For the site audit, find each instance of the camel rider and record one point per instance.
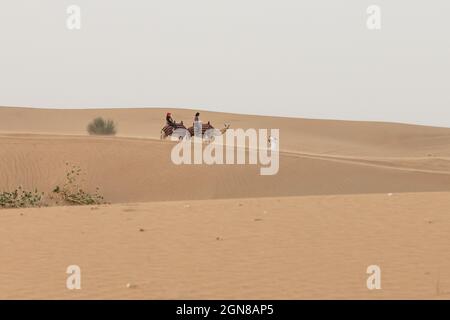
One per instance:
(170, 121)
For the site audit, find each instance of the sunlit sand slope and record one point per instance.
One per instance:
(273, 248)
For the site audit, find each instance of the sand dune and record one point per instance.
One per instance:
(225, 231)
(318, 156)
(271, 248)
(312, 136)
(141, 170)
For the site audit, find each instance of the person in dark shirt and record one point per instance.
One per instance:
(170, 121)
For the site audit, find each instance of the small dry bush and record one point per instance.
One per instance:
(20, 198)
(71, 191)
(100, 126)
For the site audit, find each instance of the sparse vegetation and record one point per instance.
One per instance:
(20, 198)
(69, 193)
(72, 193)
(100, 126)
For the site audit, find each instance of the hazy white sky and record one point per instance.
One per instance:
(313, 59)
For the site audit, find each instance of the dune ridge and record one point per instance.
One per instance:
(357, 138)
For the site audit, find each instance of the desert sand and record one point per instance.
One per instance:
(348, 195)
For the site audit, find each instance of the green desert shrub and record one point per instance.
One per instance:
(20, 198)
(72, 193)
(100, 126)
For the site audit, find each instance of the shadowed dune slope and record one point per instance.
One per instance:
(318, 156)
(141, 170)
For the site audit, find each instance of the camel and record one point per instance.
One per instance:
(209, 132)
(178, 132)
(217, 132)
